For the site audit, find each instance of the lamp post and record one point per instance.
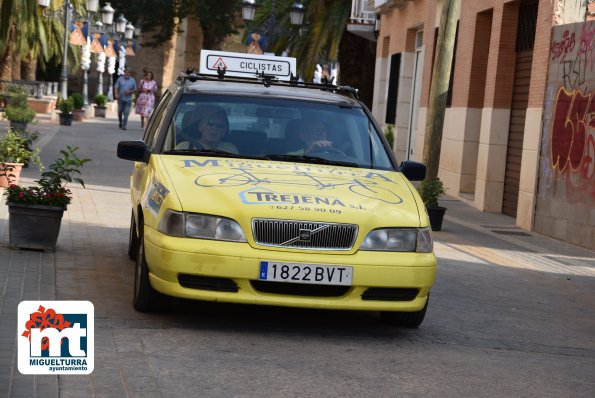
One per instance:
(296, 17)
(103, 26)
(64, 12)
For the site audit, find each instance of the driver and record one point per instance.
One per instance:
(212, 125)
(313, 134)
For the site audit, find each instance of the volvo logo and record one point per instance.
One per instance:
(305, 235)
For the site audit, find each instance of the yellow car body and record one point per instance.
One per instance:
(245, 190)
(262, 191)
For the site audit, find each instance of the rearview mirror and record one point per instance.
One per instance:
(137, 151)
(414, 171)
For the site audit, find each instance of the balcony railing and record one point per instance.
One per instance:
(362, 12)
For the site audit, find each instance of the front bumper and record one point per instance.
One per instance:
(168, 257)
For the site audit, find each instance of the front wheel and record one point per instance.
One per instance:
(132, 239)
(405, 319)
(146, 299)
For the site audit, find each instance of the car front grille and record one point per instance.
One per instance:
(207, 283)
(299, 289)
(390, 294)
(304, 234)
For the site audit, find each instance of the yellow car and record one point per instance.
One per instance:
(264, 191)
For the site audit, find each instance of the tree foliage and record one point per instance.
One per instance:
(26, 32)
(218, 19)
(324, 24)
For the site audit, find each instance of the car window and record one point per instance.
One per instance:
(271, 127)
(156, 119)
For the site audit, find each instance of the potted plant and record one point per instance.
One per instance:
(15, 150)
(390, 135)
(35, 212)
(17, 111)
(65, 106)
(78, 113)
(100, 105)
(430, 191)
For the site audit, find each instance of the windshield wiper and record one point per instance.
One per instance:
(311, 159)
(212, 152)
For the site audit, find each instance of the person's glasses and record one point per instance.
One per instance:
(212, 123)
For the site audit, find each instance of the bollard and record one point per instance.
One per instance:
(40, 90)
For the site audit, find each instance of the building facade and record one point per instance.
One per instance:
(508, 146)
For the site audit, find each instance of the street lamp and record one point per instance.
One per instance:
(67, 12)
(296, 17)
(116, 30)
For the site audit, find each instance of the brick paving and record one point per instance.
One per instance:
(93, 241)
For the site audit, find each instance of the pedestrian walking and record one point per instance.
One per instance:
(124, 88)
(146, 98)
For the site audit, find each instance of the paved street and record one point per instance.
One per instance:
(512, 313)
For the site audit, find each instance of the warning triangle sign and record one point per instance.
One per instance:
(219, 64)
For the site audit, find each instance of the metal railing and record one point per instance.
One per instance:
(362, 13)
(34, 88)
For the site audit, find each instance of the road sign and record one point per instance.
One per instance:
(246, 65)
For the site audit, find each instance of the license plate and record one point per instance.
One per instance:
(305, 273)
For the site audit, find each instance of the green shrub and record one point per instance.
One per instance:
(101, 100)
(77, 101)
(17, 110)
(389, 134)
(430, 191)
(17, 114)
(15, 147)
(50, 189)
(65, 105)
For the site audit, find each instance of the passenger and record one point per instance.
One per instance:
(211, 126)
(313, 134)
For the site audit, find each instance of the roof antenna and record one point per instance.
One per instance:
(293, 80)
(220, 72)
(326, 81)
(266, 79)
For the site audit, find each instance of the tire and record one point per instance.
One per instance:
(405, 319)
(146, 299)
(132, 239)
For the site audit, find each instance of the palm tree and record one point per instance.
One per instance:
(324, 39)
(37, 37)
(324, 24)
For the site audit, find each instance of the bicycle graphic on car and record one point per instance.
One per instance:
(361, 186)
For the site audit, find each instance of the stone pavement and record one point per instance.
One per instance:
(93, 241)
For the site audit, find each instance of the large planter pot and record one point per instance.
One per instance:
(100, 111)
(78, 115)
(436, 215)
(21, 126)
(10, 173)
(66, 119)
(34, 226)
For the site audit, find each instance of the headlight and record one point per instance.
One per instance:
(399, 240)
(201, 226)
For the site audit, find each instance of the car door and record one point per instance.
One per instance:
(140, 174)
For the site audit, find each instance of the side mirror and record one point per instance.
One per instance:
(137, 151)
(414, 171)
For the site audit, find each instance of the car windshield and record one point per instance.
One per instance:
(275, 129)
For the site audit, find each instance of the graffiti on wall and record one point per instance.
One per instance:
(568, 166)
(572, 148)
(561, 48)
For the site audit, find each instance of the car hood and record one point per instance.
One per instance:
(244, 189)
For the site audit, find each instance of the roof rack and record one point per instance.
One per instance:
(267, 81)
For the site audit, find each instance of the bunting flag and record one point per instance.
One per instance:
(129, 49)
(101, 62)
(77, 37)
(96, 46)
(110, 51)
(86, 56)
